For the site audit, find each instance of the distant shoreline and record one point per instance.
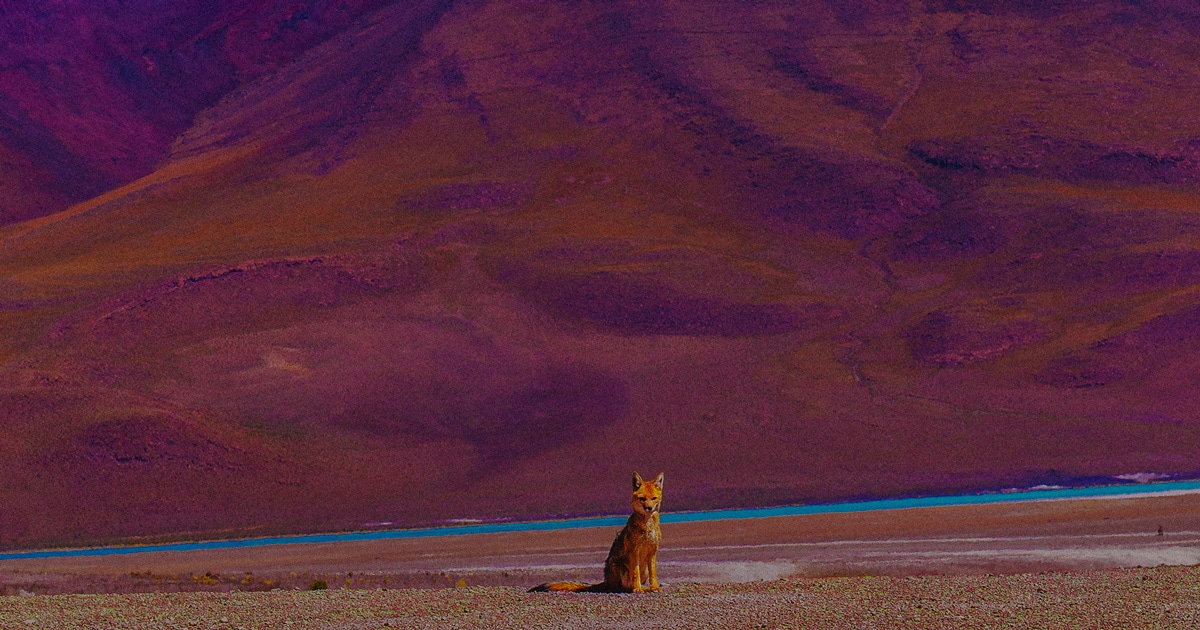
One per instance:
(1115, 491)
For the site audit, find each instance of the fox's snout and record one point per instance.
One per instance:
(648, 506)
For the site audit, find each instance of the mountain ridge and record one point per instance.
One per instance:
(452, 250)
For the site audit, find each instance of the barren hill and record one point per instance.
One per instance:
(344, 263)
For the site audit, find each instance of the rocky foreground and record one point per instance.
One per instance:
(1163, 597)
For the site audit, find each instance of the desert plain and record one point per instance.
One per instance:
(1037, 564)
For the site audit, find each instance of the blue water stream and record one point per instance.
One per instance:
(607, 521)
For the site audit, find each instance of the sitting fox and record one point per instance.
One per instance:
(632, 561)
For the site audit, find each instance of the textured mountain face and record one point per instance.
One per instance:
(350, 263)
(92, 93)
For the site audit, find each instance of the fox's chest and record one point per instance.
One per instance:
(651, 537)
(640, 537)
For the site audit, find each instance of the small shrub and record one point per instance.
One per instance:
(208, 579)
(318, 585)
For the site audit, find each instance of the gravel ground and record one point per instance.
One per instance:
(1163, 597)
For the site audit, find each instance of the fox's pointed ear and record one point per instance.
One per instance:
(637, 480)
(658, 481)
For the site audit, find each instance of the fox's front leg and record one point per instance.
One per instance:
(654, 572)
(637, 578)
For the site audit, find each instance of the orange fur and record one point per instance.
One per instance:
(632, 564)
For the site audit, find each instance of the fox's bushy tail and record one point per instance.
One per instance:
(569, 587)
